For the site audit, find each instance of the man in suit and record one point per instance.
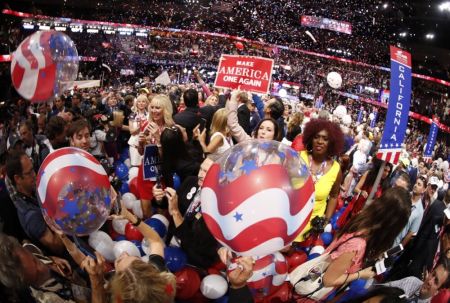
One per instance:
(420, 254)
(191, 116)
(243, 112)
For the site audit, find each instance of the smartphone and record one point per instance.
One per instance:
(202, 124)
(393, 251)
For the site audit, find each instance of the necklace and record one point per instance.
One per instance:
(319, 173)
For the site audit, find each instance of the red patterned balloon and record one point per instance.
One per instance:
(73, 190)
(44, 65)
(257, 197)
(269, 273)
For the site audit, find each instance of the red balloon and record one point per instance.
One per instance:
(188, 283)
(295, 259)
(132, 233)
(112, 233)
(282, 294)
(318, 242)
(133, 186)
(239, 45)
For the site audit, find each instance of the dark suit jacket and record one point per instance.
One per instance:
(189, 119)
(421, 252)
(196, 239)
(243, 114)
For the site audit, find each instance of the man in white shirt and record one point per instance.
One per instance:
(416, 213)
(422, 291)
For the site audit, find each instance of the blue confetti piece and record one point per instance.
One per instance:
(80, 229)
(248, 166)
(107, 200)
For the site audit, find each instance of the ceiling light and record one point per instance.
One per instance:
(403, 34)
(444, 6)
(385, 5)
(429, 36)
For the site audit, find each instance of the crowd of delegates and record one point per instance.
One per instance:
(189, 133)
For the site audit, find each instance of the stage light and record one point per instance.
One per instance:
(385, 5)
(429, 36)
(444, 6)
(404, 34)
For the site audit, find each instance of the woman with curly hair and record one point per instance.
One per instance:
(324, 142)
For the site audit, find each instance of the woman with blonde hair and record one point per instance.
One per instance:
(212, 100)
(220, 134)
(160, 117)
(136, 124)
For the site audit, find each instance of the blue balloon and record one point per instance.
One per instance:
(358, 285)
(223, 299)
(124, 154)
(175, 258)
(121, 171)
(176, 181)
(327, 238)
(335, 225)
(157, 226)
(120, 238)
(139, 245)
(124, 188)
(312, 256)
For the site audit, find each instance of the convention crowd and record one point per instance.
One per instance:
(192, 125)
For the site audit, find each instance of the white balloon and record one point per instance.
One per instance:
(371, 116)
(145, 246)
(126, 246)
(128, 199)
(340, 111)
(347, 120)
(408, 131)
(163, 219)
(137, 209)
(328, 228)
(214, 286)
(106, 249)
(97, 237)
(119, 225)
(102, 243)
(317, 250)
(127, 162)
(334, 80)
(132, 173)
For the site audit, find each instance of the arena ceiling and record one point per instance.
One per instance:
(419, 25)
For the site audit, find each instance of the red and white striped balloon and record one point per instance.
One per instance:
(269, 273)
(262, 209)
(44, 65)
(73, 190)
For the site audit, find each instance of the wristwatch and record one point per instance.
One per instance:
(137, 222)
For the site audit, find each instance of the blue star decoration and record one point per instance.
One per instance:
(265, 145)
(248, 166)
(238, 216)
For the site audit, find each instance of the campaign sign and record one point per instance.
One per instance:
(398, 108)
(248, 73)
(431, 142)
(151, 162)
